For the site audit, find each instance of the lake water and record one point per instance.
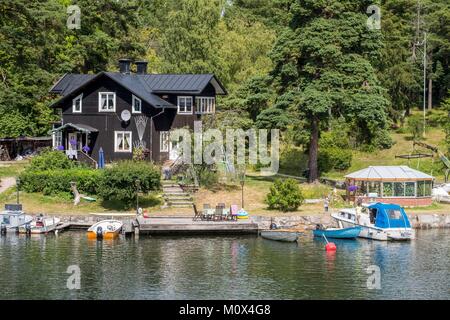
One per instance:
(233, 267)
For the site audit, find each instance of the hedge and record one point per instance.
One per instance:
(53, 182)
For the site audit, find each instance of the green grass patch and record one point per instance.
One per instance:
(11, 170)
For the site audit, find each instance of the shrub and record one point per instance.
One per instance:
(334, 158)
(50, 159)
(208, 178)
(54, 182)
(119, 181)
(285, 195)
(415, 127)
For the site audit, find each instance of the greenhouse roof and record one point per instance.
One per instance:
(389, 173)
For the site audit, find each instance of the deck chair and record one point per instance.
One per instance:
(218, 214)
(197, 215)
(233, 211)
(206, 212)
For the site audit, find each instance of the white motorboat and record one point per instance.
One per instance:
(379, 221)
(40, 225)
(106, 229)
(13, 217)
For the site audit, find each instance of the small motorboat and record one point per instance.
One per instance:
(280, 235)
(379, 221)
(106, 229)
(337, 233)
(40, 225)
(13, 217)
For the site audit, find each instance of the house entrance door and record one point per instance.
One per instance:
(173, 153)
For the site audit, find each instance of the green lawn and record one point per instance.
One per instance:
(11, 169)
(34, 203)
(403, 145)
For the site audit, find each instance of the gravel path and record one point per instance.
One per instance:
(7, 183)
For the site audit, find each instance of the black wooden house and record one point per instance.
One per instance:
(120, 111)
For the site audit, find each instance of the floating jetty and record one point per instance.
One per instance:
(185, 225)
(172, 225)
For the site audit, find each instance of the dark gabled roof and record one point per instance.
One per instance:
(131, 82)
(80, 127)
(142, 86)
(182, 83)
(70, 82)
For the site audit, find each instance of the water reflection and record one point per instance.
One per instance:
(34, 267)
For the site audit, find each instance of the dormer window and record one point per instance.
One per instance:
(136, 105)
(205, 105)
(106, 102)
(77, 104)
(185, 105)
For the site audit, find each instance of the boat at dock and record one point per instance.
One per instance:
(106, 229)
(13, 217)
(378, 221)
(40, 225)
(280, 235)
(338, 233)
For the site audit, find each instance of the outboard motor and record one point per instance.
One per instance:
(99, 232)
(28, 229)
(3, 229)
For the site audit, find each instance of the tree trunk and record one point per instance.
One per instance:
(430, 94)
(313, 151)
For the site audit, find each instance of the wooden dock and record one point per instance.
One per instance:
(185, 225)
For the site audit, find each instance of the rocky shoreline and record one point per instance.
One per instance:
(418, 221)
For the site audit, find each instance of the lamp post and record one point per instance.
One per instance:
(242, 181)
(17, 188)
(137, 183)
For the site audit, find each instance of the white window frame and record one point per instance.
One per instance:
(185, 99)
(133, 110)
(115, 141)
(205, 105)
(80, 97)
(161, 144)
(100, 102)
(57, 139)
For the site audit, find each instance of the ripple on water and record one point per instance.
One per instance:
(232, 267)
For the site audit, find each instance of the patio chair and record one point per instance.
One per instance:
(233, 211)
(206, 212)
(218, 214)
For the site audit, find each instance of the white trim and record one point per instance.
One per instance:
(81, 104)
(205, 103)
(192, 104)
(130, 142)
(161, 149)
(100, 102)
(133, 99)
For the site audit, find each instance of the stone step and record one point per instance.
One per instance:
(177, 197)
(172, 189)
(177, 205)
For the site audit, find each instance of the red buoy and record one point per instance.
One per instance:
(330, 246)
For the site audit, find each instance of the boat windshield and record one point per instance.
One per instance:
(394, 214)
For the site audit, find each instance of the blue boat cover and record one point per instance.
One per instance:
(390, 216)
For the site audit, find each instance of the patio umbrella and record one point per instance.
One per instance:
(101, 159)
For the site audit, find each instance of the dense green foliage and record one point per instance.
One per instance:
(50, 160)
(57, 181)
(295, 65)
(118, 182)
(285, 195)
